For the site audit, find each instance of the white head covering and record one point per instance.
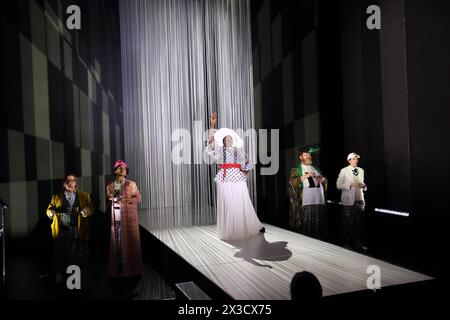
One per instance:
(352, 155)
(223, 132)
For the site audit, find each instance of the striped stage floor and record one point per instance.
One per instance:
(261, 268)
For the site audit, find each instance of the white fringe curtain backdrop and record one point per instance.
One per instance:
(181, 61)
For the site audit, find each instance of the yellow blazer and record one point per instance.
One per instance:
(85, 204)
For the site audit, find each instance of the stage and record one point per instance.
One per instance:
(261, 268)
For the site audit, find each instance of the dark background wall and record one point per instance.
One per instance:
(428, 76)
(394, 85)
(60, 104)
(380, 93)
(297, 78)
(285, 69)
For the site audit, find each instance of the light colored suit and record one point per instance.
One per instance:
(344, 181)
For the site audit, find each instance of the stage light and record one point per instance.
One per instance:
(397, 213)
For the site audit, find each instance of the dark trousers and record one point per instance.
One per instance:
(69, 250)
(314, 221)
(352, 223)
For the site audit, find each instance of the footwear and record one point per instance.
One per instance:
(262, 230)
(347, 246)
(360, 247)
(43, 276)
(59, 278)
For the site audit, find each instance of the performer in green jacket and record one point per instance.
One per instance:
(307, 187)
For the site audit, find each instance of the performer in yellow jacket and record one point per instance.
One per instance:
(69, 211)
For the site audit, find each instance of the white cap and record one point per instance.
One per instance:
(352, 155)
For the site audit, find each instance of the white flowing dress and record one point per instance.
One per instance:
(236, 216)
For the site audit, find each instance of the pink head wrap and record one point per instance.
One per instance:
(120, 163)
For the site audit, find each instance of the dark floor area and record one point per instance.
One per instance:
(26, 282)
(29, 275)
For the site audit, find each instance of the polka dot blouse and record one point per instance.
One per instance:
(230, 155)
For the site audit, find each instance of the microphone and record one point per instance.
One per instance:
(3, 204)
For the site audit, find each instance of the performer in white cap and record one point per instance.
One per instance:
(236, 216)
(351, 182)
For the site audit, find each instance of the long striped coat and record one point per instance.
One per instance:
(129, 224)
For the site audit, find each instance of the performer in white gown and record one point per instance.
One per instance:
(236, 216)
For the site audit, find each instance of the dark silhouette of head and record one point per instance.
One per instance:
(305, 286)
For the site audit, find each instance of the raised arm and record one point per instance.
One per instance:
(211, 149)
(212, 127)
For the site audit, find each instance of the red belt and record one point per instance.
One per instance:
(226, 166)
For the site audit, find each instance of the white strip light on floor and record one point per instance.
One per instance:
(397, 213)
(333, 202)
(182, 60)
